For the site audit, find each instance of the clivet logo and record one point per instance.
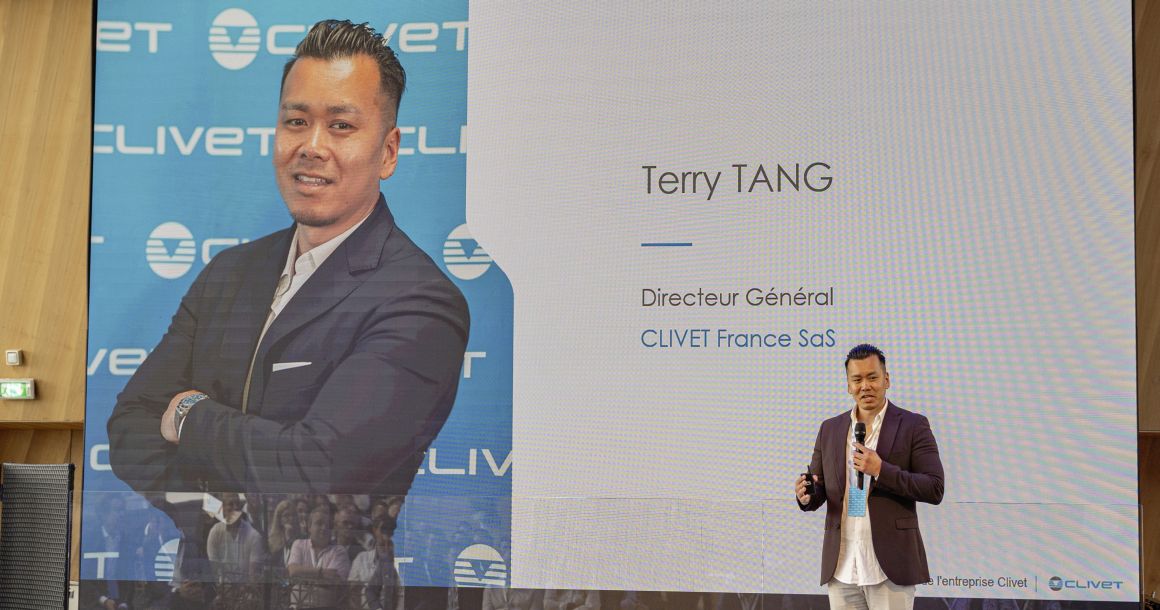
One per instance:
(171, 249)
(480, 565)
(463, 256)
(234, 38)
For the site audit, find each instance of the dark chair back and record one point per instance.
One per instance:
(35, 531)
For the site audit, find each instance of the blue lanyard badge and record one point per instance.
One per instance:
(856, 506)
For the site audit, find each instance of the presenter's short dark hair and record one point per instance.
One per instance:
(334, 39)
(864, 350)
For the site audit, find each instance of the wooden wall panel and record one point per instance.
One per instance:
(46, 94)
(1147, 24)
(1147, 81)
(45, 128)
(1150, 515)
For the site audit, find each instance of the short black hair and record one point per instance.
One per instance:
(333, 39)
(864, 350)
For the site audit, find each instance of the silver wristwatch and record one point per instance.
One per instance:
(182, 409)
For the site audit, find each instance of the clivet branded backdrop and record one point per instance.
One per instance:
(186, 102)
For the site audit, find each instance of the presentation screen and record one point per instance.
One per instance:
(567, 326)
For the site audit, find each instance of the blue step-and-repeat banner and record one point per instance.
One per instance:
(186, 101)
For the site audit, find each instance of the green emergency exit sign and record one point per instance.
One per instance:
(17, 389)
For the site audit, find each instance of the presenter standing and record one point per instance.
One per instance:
(872, 552)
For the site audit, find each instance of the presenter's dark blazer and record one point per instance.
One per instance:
(911, 472)
(350, 384)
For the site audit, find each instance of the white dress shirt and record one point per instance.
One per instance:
(857, 563)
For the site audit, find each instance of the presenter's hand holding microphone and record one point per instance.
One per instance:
(866, 460)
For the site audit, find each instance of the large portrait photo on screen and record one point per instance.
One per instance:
(299, 358)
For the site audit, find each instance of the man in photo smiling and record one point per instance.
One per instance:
(323, 358)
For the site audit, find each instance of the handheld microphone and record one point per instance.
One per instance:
(860, 436)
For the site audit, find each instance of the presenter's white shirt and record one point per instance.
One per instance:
(857, 563)
(299, 269)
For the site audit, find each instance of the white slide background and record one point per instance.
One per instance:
(979, 228)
